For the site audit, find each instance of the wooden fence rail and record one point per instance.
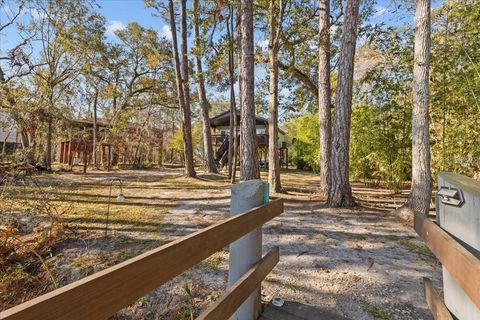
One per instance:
(460, 263)
(101, 295)
(434, 302)
(236, 294)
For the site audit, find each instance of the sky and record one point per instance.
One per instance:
(119, 13)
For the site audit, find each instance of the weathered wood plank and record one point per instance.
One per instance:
(104, 293)
(236, 294)
(435, 303)
(460, 263)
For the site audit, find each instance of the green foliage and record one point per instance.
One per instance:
(379, 312)
(412, 246)
(455, 88)
(304, 140)
(379, 147)
(176, 143)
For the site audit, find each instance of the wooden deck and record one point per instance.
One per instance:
(297, 311)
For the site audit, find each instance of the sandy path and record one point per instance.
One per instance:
(359, 263)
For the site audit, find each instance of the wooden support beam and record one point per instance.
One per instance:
(101, 295)
(460, 263)
(236, 294)
(434, 301)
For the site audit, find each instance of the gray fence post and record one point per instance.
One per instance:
(246, 251)
(457, 204)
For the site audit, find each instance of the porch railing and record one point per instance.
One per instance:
(217, 139)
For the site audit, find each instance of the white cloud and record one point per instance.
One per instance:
(380, 11)
(166, 32)
(263, 44)
(114, 25)
(313, 45)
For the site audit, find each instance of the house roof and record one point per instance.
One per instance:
(223, 119)
(89, 122)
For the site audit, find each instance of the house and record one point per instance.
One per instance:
(220, 129)
(133, 147)
(9, 140)
(77, 145)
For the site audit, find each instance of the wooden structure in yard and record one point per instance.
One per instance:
(101, 295)
(220, 128)
(77, 146)
(461, 264)
(459, 259)
(9, 135)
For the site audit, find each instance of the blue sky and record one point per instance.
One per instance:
(119, 13)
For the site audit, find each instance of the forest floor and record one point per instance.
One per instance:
(362, 263)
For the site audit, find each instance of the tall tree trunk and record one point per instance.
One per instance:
(324, 99)
(2, 75)
(182, 100)
(340, 193)
(274, 28)
(249, 166)
(48, 147)
(235, 42)
(85, 150)
(233, 107)
(421, 190)
(230, 137)
(47, 158)
(95, 130)
(187, 116)
(204, 103)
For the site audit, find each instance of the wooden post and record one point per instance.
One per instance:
(102, 147)
(286, 157)
(62, 151)
(85, 157)
(434, 302)
(246, 251)
(70, 151)
(160, 153)
(109, 157)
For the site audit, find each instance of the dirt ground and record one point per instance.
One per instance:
(361, 263)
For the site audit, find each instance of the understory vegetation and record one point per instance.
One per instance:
(380, 148)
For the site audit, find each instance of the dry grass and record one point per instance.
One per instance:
(30, 267)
